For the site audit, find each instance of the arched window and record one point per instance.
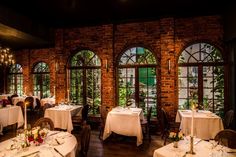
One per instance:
(85, 79)
(137, 79)
(41, 75)
(201, 77)
(15, 79)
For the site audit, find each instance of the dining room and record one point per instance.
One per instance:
(124, 78)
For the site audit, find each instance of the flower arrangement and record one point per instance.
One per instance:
(176, 136)
(36, 135)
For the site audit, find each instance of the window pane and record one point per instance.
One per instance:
(212, 77)
(137, 84)
(183, 93)
(85, 80)
(15, 79)
(41, 80)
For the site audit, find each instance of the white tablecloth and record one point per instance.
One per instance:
(15, 100)
(11, 115)
(5, 96)
(125, 122)
(47, 100)
(201, 148)
(61, 116)
(46, 149)
(206, 124)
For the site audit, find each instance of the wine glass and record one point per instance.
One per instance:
(213, 145)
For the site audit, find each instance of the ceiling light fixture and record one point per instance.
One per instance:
(6, 57)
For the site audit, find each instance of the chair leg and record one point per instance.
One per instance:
(149, 134)
(100, 133)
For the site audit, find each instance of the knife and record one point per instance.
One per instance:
(30, 154)
(58, 152)
(197, 142)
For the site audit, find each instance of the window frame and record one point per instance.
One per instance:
(200, 78)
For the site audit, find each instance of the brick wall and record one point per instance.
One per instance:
(166, 38)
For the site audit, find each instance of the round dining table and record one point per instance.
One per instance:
(56, 144)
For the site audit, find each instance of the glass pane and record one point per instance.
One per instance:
(93, 89)
(207, 82)
(183, 93)
(207, 93)
(183, 104)
(183, 82)
(200, 52)
(85, 57)
(207, 71)
(147, 88)
(182, 71)
(138, 55)
(76, 86)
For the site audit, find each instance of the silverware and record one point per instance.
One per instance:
(30, 154)
(58, 152)
(195, 143)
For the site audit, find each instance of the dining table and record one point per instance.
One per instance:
(61, 115)
(55, 144)
(124, 121)
(10, 115)
(5, 96)
(205, 126)
(50, 101)
(15, 100)
(201, 148)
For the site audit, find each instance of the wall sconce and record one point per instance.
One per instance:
(168, 61)
(56, 66)
(106, 65)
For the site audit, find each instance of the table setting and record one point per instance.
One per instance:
(39, 142)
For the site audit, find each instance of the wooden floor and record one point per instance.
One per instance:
(114, 146)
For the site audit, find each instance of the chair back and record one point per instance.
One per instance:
(38, 104)
(21, 104)
(229, 119)
(104, 111)
(227, 138)
(85, 111)
(164, 120)
(46, 105)
(44, 122)
(30, 102)
(85, 140)
(149, 114)
(14, 95)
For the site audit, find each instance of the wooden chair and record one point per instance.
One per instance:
(145, 123)
(103, 111)
(85, 140)
(30, 103)
(166, 126)
(46, 105)
(38, 109)
(10, 99)
(44, 122)
(226, 138)
(79, 119)
(21, 104)
(228, 120)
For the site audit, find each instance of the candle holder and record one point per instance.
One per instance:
(191, 146)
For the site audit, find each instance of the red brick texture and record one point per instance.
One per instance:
(166, 38)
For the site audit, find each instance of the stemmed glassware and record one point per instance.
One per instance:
(212, 147)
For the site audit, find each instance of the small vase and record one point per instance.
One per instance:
(175, 144)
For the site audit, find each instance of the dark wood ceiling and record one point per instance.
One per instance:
(48, 14)
(64, 13)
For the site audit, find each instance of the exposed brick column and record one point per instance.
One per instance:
(168, 79)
